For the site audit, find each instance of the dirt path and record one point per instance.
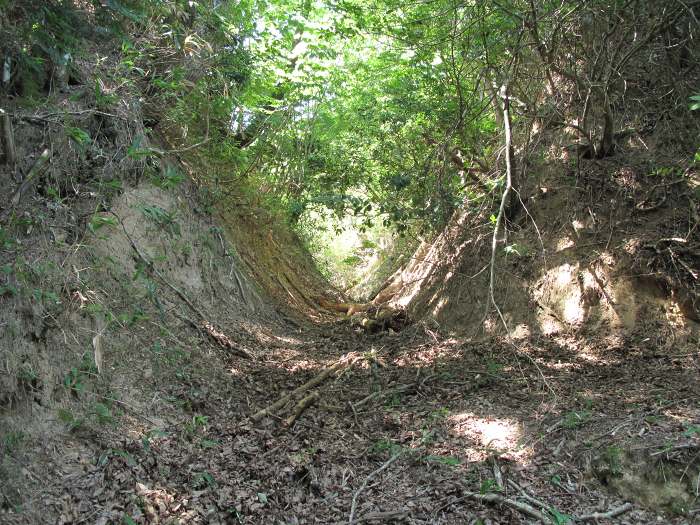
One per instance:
(417, 429)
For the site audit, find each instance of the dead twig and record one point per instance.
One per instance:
(606, 515)
(524, 508)
(211, 331)
(526, 496)
(385, 465)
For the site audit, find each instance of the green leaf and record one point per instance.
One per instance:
(135, 151)
(98, 221)
(104, 415)
(65, 415)
(488, 485)
(79, 136)
(691, 430)
(445, 460)
(695, 105)
(559, 517)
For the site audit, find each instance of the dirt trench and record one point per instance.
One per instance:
(414, 426)
(142, 333)
(410, 426)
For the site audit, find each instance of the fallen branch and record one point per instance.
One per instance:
(369, 478)
(527, 496)
(223, 340)
(300, 407)
(606, 515)
(320, 378)
(517, 505)
(380, 394)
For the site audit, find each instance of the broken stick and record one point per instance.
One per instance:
(320, 378)
(606, 515)
(300, 407)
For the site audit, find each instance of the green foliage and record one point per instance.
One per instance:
(691, 430)
(444, 460)
(136, 151)
(558, 517)
(167, 355)
(612, 456)
(169, 178)
(384, 445)
(164, 219)
(72, 421)
(102, 413)
(110, 453)
(151, 435)
(196, 424)
(76, 377)
(98, 413)
(99, 221)
(12, 440)
(45, 296)
(489, 485)
(79, 136)
(695, 102)
(576, 419)
(202, 480)
(133, 317)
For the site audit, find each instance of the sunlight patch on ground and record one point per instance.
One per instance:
(157, 501)
(489, 433)
(522, 331)
(289, 340)
(304, 364)
(564, 243)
